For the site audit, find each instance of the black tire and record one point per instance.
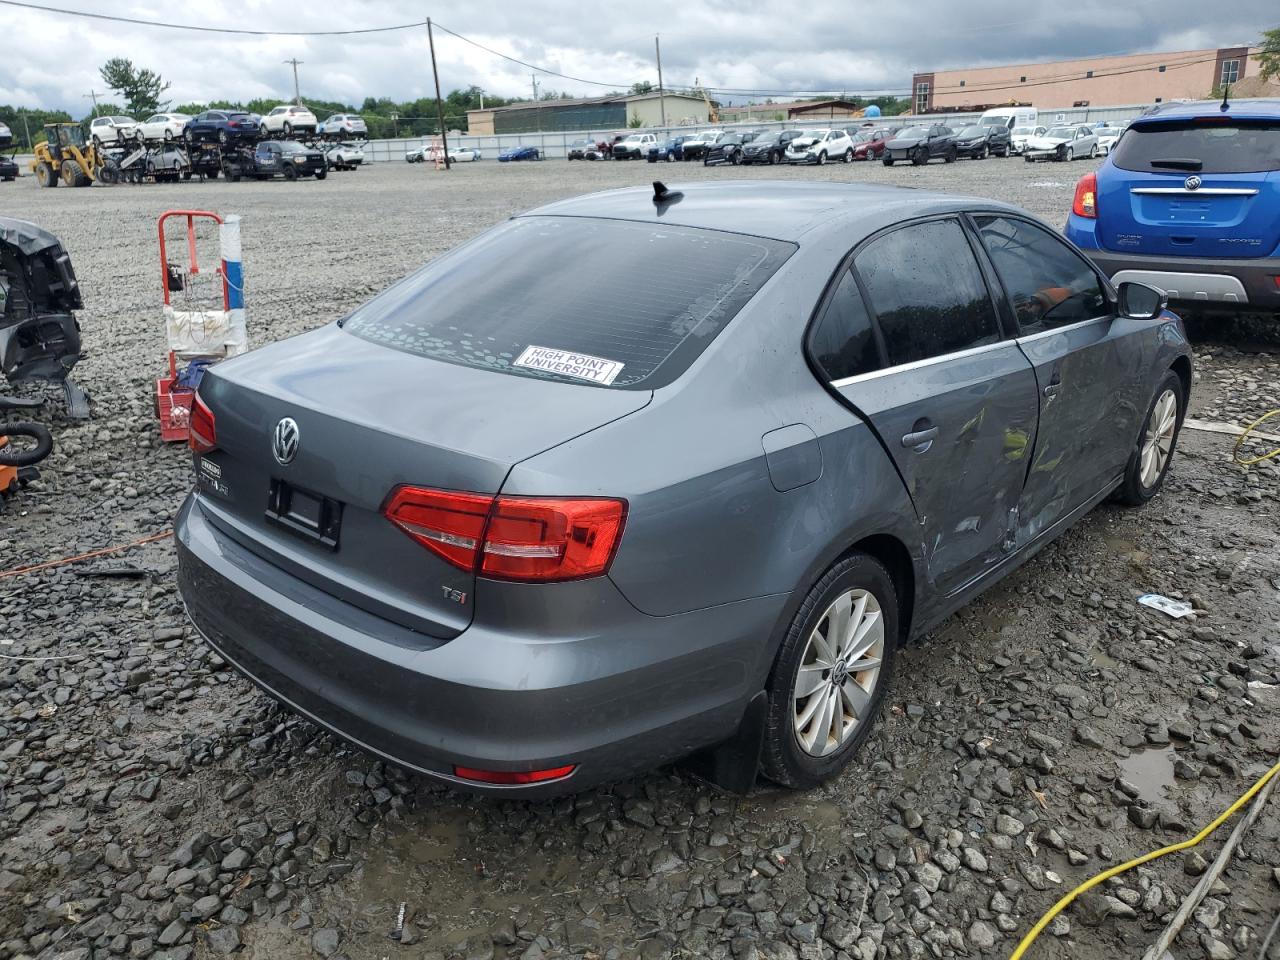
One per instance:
(887, 160)
(263, 132)
(213, 173)
(848, 155)
(1132, 490)
(97, 142)
(920, 157)
(73, 174)
(321, 174)
(782, 757)
(11, 456)
(1068, 155)
(774, 158)
(287, 129)
(735, 159)
(223, 138)
(46, 176)
(822, 158)
(290, 173)
(168, 136)
(950, 156)
(983, 153)
(188, 136)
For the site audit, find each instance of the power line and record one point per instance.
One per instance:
(188, 26)
(525, 63)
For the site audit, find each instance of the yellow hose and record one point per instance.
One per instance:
(1092, 882)
(1235, 452)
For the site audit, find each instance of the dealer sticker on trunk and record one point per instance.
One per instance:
(582, 366)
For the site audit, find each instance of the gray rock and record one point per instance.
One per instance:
(222, 941)
(325, 941)
(981, 936)
(974, 860)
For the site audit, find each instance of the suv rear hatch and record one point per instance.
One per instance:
(533, 334)
(1193, 187)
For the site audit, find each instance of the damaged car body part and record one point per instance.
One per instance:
(527, 550)
(39, 334)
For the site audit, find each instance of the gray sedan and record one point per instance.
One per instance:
(637, 475)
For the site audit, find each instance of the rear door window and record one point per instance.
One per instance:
(1048, 283)
(646, 297)
(1201, 145)
(927, 292)
(843, 342)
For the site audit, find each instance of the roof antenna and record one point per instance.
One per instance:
(661, 195)
(1225, 106)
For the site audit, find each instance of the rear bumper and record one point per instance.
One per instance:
(615, 696)
(1241, 285)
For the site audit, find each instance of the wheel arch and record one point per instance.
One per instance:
(1182, 367)
(896, 558)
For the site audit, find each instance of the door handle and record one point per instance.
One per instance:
(1051, 390)
(920, 440)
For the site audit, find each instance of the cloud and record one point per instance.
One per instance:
(746, 44)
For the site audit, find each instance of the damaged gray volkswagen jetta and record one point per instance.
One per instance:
(638, 475)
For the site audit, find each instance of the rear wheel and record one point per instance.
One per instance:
(223, 138)
(831, 673)
(45, 175)
(288, 129)
(1149, 462)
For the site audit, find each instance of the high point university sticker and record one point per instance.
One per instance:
(569, 364)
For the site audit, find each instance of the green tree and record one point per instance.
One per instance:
(644, 86)
(141, 88)
(1269, 58)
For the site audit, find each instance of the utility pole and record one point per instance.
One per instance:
(537, 104)
(662, 97)
(92, 95)
(297, 97)
(444, 143)
(26, 129)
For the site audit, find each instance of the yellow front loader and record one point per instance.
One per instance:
(67, 157)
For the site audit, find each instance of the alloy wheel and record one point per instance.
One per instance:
(838, 673)
(1157, 442)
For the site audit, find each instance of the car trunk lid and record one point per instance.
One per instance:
(370, 419)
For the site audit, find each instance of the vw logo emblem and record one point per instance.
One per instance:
(284, 442)
(1192, 183)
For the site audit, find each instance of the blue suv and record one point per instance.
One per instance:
(1188, 200)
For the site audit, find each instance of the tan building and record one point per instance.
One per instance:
(1097, 82)
(592, 113)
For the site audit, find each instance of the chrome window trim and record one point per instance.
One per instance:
(1032, 337)
(1199, 192)
(918, 364)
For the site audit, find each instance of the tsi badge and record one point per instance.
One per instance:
(284, 442)
(457, 596)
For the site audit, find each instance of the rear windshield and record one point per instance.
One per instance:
(1208, 145)
(609, 302)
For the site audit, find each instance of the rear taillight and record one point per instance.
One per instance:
(1085, 203)
(537, 539)
(202, 433)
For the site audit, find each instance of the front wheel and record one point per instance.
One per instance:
(1093, 152)
(887, 160)
(822, 158)
(288, 129)
(1149, 461)
(950, 156)
(46, 176)
(1068, 155)
(920, 157)
(983, 153)
(831, 673)
(291, 173)
(321, 174)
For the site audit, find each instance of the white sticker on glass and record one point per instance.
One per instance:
(581, 366)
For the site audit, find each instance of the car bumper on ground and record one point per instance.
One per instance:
(1235, 285)
(1042, 153)
(623, 693)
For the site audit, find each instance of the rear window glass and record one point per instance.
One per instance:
(647, 297)
(1208, 145)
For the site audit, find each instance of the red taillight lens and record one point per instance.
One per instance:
(1085, 203)
(446, 522)
(202, 433)
(509, 777)
(538, 539)
(534, 538)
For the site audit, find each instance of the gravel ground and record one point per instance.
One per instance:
(152, 804)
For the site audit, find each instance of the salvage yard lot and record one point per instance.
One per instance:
(153, 804)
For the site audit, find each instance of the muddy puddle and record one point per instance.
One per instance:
(1150, 771)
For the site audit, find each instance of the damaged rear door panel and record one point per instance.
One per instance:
(39, 334)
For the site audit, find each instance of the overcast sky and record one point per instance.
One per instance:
(747, 44)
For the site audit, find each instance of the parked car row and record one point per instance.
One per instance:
(226, 126)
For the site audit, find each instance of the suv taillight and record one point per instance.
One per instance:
(1085, 203)
(538, 539)
(202, 433)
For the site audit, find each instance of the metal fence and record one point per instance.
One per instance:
(554, 144)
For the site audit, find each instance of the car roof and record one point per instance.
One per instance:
(768, 208)
(1263, 109)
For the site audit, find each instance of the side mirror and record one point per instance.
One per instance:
(1138, 301)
